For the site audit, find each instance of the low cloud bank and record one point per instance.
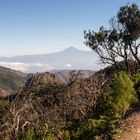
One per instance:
(42, 67)
(27, 67)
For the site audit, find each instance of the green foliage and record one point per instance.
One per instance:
(110, 43)
(121, 97)
(103, 128)
(136, 79)
(67, 135)
(38, 133)
(28, 135)
(123, 93)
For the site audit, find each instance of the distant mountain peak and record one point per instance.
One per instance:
(70, 58)
(71, 49)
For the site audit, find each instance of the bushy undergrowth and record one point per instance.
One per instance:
(123, 95)
(112, 107)
(102, 128)
(38, 133)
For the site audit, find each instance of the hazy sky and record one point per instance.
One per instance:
(43, 26)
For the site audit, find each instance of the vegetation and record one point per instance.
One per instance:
(47, 109)
(11, 81)
(121, 40)
(4, 105)
(100, 124)
(113, 105)
(123, 94)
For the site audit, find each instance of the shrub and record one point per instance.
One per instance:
(37, 133)
(136, 80)
(123, 93)
(103, 128)
(27, 135)
(120, 97)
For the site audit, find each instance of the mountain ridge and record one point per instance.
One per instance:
(65, 50)
(70, 58)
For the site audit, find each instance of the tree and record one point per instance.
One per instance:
(121, 41)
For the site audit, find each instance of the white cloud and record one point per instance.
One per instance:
(27, 67)
(68, 65)
(15, 65)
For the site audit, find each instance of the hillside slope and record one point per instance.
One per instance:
(10, 81)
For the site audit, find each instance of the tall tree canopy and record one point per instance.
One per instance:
(121, 41)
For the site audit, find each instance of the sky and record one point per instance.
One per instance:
(45, 26)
